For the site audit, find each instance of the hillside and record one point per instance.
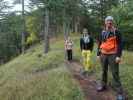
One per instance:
(35, 76)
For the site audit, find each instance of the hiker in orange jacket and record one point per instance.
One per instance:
(109, 53)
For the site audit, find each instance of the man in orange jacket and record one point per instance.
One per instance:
(109, 53)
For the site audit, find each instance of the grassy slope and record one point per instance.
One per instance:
(34, 76)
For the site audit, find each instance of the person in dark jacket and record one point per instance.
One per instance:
(86, 46)
(109, 53)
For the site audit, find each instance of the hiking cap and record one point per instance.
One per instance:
(109, 18)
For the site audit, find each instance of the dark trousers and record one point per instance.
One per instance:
(109, 60)
(69, 55)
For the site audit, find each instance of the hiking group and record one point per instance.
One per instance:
(109, 54)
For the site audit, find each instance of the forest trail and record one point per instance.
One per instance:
(89, 84)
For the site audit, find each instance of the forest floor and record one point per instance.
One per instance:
(89, 84)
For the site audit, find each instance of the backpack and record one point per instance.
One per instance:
(110, 44)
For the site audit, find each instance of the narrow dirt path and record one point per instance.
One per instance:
(88, 84)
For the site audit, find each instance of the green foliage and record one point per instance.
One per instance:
(66, 16)
(101, 7)
(10, 37)
(33, 28)
(31, 39)
(123, 15)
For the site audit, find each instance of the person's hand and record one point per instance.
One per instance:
(117, 59)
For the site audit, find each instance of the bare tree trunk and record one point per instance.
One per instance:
(76, 25)
(23, 33)
(46, 34)
(65, 30)
(65, 24)
(68, 28)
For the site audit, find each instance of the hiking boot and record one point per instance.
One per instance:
(120, 97)
(101, 88)
(83, 73)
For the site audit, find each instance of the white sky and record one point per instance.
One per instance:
(16, 7)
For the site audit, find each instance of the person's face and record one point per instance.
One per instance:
(109, 23)
(85, 31)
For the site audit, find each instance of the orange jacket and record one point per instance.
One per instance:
(109, 46)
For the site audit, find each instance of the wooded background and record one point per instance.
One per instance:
(52, 18)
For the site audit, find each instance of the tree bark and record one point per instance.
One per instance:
(64, 30)
(65, 24)
(46, 34)
(76, 25)
(23, 31)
